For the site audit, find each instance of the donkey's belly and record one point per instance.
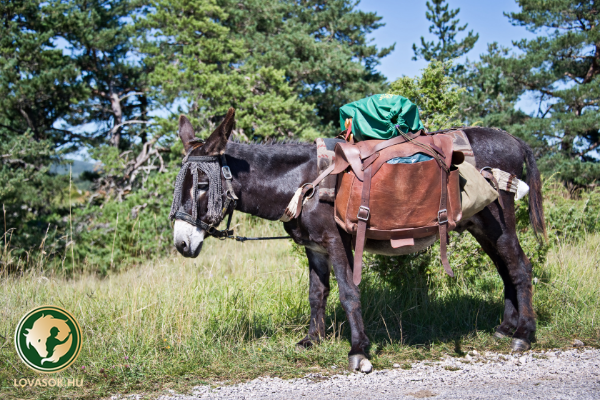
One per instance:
(384, 247)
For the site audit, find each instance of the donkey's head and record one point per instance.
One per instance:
(198, 198)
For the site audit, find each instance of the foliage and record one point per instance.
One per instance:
(39, 85)
(489, 98)
(560, 69)
(32, 199)
(321, 46)
(445, 28)
(63, 64)
(210, 74)
(113, 234)
(100, 42)
(435, 93)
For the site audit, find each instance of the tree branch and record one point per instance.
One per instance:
(133, 121)
(12, 129)
(591, 148)
(131, 94)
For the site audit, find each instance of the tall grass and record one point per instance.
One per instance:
(236, 311)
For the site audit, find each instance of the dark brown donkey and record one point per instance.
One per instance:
(264, 179)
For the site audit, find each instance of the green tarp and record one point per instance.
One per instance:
(375, 117)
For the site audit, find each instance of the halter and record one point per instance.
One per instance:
(217, 209)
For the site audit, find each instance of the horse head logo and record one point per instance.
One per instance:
(50, 337)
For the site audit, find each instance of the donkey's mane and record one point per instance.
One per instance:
(272, 142)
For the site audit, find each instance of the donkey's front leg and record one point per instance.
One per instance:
(341, 257)
(318, 264)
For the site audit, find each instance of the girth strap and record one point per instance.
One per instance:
(443, 223)
(364, 213)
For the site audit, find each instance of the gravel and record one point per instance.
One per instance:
(555, 374)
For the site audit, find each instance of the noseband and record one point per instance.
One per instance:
(217, 208)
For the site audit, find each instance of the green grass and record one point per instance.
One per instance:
(235, 313)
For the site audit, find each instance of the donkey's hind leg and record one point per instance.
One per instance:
(495, 230)
(318, 264)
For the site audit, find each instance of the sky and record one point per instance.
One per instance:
(405, 23)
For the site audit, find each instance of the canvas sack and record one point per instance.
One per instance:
(475, 191)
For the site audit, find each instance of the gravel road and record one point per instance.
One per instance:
(557, 374)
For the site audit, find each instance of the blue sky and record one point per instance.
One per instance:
(406, 23)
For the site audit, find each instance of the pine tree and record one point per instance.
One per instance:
(39, 87)
(560, 68)
(100, 39)
(38, 83)
(198, 59)
(490, 97)
(321, 46)
(445, 28)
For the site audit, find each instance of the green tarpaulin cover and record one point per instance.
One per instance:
(375, 117)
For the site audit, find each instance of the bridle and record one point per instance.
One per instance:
(193, 164)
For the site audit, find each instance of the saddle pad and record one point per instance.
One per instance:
(325, 157)
(461, 143)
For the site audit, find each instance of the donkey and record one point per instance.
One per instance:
(264, 178)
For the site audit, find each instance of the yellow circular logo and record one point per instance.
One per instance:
(48, 339)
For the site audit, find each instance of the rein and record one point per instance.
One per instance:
(206, 164)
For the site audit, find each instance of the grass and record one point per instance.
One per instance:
(236, 312)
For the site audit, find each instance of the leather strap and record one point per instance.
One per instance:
(443, 223)
(363, 217)
(312, 186)
(488, 175)
(390, 142)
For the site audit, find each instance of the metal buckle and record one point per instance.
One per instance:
(311, 191)
(226, 172)
(368, 211)
(439, 215)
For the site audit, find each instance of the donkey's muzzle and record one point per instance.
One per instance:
(187, 250)
(188, 239)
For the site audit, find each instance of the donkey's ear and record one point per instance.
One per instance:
(217, 141)
(186, 132)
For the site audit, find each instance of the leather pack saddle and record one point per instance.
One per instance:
(396, 202)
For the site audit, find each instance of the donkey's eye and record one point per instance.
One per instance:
(202, 185)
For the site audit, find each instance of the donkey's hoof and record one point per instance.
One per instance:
(366, 366)
(519, 345)
(358, 362)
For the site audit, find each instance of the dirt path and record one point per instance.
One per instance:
(573, 374)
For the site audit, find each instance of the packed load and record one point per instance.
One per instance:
(396, 182)
(381, 117)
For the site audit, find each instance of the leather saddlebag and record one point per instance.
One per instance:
(397, 202)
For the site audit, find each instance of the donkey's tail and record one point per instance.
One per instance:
(533, 179)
